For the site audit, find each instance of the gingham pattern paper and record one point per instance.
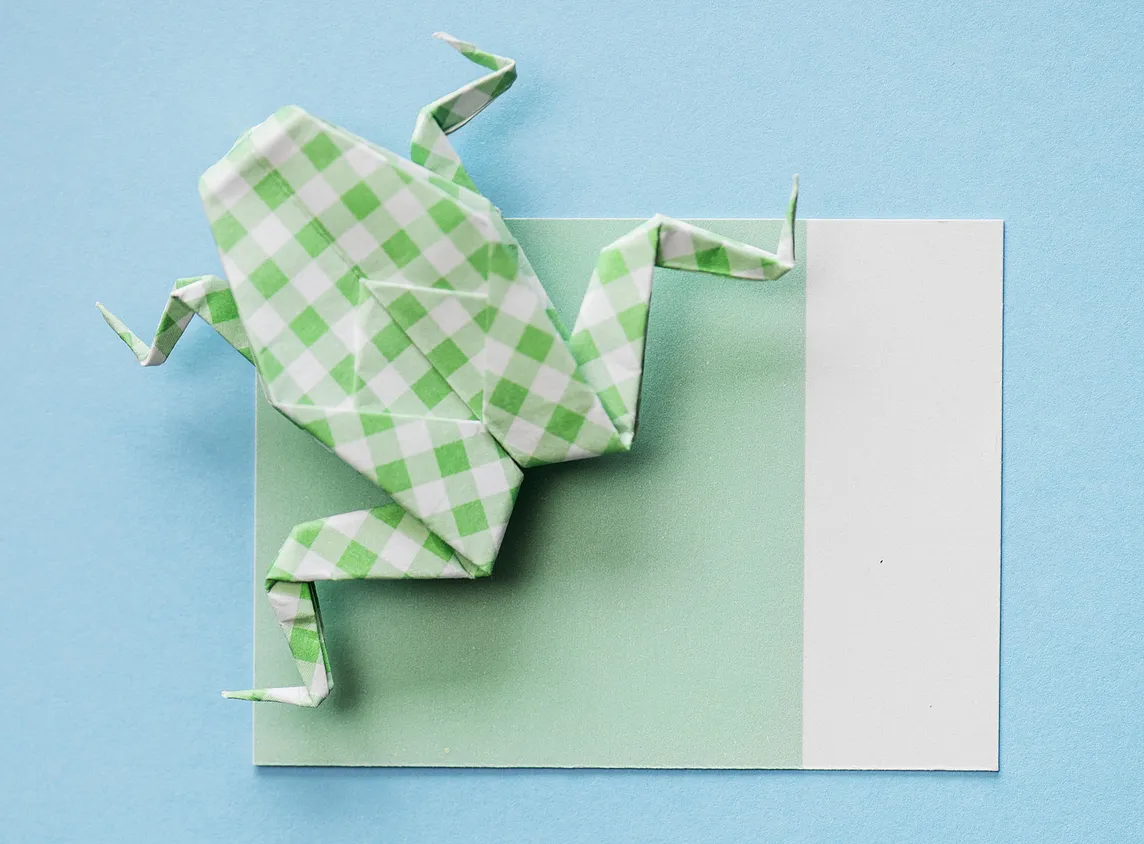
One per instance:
(447, 472)
(343, 547)
(391, 314)
(206, 295)
(608, 340)
(430, 147)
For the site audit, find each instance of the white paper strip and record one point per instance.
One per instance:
(903, 494)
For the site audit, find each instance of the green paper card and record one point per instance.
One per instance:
(645, 610)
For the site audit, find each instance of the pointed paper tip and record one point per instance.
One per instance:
(456, 43)
(108, 317)
(111, 319)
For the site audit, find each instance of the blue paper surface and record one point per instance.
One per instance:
(119, 481)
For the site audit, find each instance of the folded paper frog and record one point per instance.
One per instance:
(390, 313)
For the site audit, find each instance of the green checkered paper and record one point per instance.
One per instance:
(390, 313)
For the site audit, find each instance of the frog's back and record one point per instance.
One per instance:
(303, 211)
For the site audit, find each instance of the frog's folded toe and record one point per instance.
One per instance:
(296, 695)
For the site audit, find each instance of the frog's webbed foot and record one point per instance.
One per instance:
(430, 145)
(380, 543)
(608, 340)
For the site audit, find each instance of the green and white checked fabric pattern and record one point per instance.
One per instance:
(391, 314)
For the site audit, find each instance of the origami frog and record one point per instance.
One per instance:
(391, 314)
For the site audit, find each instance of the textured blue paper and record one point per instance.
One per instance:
(117, 480)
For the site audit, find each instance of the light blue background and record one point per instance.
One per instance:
(127, 495)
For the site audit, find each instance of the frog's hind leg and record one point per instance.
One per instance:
(430, 145)
(206, 295)
(608, 339)
(384, 542)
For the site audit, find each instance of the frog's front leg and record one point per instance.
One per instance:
(206, 295)
(430, 145)
(608, 339)
(381, 543)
